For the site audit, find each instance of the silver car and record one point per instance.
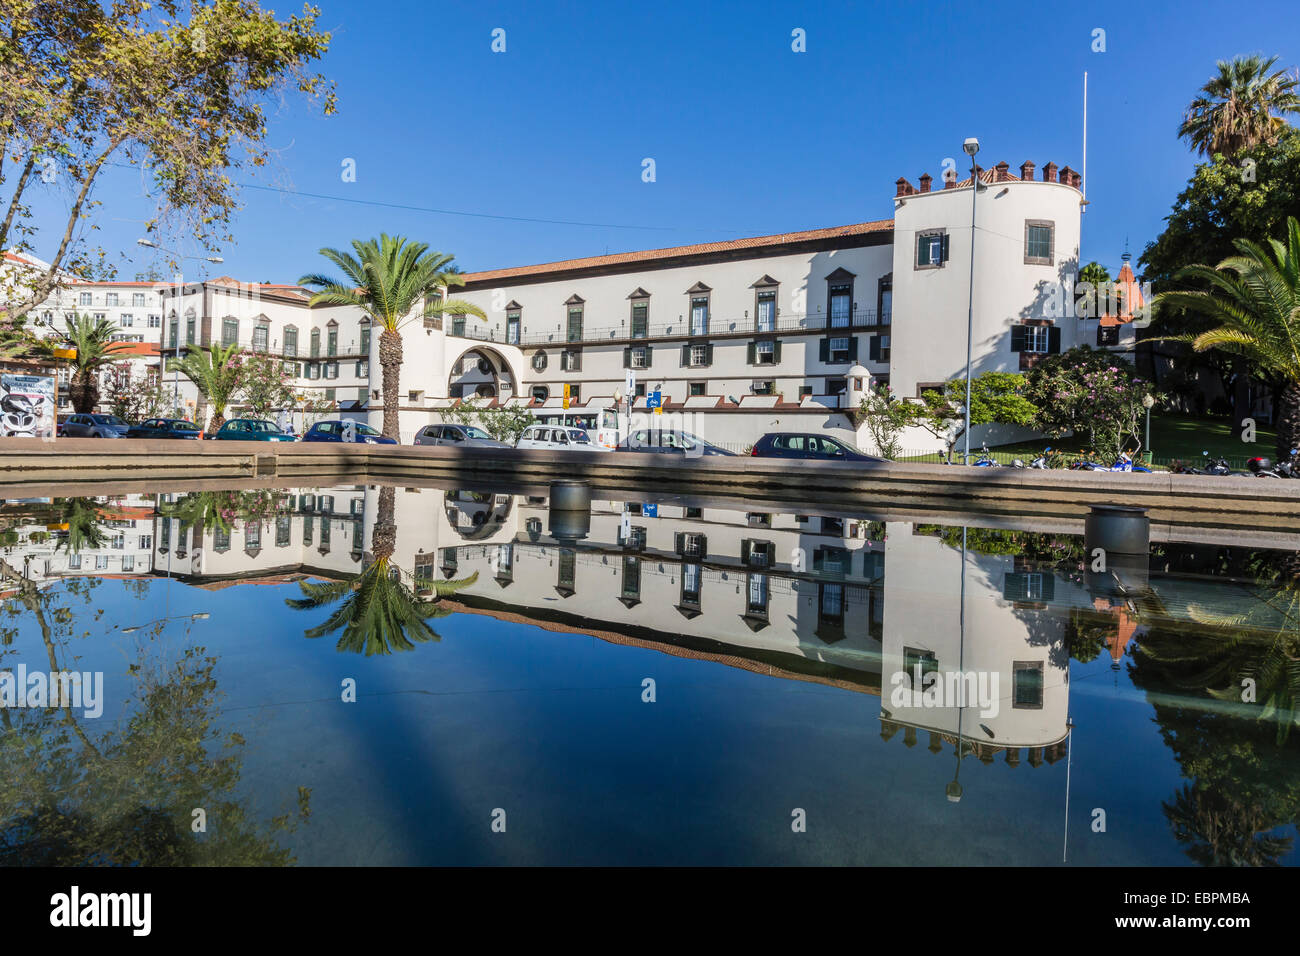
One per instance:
(93, 426)
(457, 436)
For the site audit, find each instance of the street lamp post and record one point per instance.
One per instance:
(1148, 402)
(176, 339)
(971, 147)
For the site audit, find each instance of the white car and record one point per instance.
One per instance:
(558, 438)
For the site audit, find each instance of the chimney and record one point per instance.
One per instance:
(1067, 176)
(1049, 173)
(904, 187)
(950, 179)
(1027, 171)
(1002, 168)
(925, 181)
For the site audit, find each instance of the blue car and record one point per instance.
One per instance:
(336, 430)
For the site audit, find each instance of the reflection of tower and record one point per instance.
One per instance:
(973, 648)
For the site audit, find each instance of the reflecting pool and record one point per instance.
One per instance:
(383, 675)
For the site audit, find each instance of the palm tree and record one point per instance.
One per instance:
(216, 372)
(1237, 108)
(96, 350)
(1256, 298)
(378, 612)
(388, 279)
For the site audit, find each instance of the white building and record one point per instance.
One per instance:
(737, 338)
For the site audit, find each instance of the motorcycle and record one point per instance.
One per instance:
(986, 460)
(1125, 462)
(1262, 467)
(1038, 462)
(19, 414)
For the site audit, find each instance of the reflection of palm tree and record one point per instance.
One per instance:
(1220, 651)
(378, 611)
(1222, 831)
(82, 516)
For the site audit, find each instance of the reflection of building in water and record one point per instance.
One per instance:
(100, 537)
(1009, 647)
(248, 535)
(805, 586)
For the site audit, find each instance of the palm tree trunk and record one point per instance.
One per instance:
(84, 392)
(390, 360)
(383, 537)
(1288, 419)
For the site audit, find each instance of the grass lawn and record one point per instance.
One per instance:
(1172, 436)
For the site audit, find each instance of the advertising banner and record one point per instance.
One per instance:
(26, 406)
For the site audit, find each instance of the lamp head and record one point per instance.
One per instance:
(971, 146)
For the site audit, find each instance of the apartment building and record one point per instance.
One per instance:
(326, 349)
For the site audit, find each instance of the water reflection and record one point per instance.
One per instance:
(384, 608)
(969, 640)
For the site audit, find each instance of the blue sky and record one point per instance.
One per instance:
(748, 137)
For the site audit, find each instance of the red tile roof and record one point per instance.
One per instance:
(676, 252)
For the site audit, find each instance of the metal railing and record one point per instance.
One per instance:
(681, 328)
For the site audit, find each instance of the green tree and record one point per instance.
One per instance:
(135, 398)
(885, 417)
(1239, 106)
(393, 281)
(1090, 392)
(216, 372)
(96, 351)
(1249, 197)
(178, 89)
(1253, 300)
(378, 612)
(996, 398)
(266, 386)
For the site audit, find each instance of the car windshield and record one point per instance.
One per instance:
(478, 433)
(107, 420)
(185, 426)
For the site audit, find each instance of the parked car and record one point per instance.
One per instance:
(669, 442)
(163, 428)
(457, 436)
(362, 434)
(557, 438)
(93, 426)
(252, 429)
(808, 447)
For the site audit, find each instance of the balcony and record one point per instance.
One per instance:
(680, 329)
